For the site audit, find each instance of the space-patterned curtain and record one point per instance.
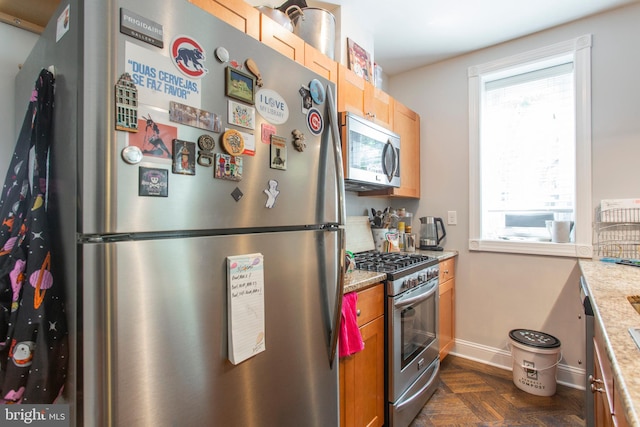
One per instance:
(33, 326)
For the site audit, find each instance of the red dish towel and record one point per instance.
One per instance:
(350, 337)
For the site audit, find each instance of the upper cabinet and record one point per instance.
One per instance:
(237, 13)
(282, 40)
(320, 63)
(360, 97)
(406, 123)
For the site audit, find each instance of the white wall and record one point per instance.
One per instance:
(498, 292)
(15, 48)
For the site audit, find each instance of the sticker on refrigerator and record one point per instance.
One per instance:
(153, 182)
(314, 121)
(141, 28)
(272, 106)
(245, 306)
(184, 157)
(307, 102)
(157, 80)
(154, 137)
(188, 56)
(62, 24)
(266, 130)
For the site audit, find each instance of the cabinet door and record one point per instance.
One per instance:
(446, 308)
(320, 63)
(602, 409)
(350, 92)
(234, 12)
(378, 106)
(282, 40)
(406, 123)
(362, 380)
(446, 325)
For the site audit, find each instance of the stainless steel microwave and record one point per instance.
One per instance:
(371, 154)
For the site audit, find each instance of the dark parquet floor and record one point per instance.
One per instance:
(473, 394)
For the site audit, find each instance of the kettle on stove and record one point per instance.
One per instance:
(430, 238)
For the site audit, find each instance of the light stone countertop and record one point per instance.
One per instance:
(360, 279)
(609, 285)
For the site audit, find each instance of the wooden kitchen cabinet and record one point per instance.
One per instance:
(406, 123)
(360, 97)
(607, 406)
(282, 40)
(362, 399)
(320, 63)
(447, 316)
(237, 13)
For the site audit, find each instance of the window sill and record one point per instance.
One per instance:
(573, 250)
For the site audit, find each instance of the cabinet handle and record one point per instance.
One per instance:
(596, 389)
(446, 272)
(358, 313)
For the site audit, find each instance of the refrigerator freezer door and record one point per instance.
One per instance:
(306, 183)
(165, 323)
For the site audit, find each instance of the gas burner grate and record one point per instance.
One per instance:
(390, 262)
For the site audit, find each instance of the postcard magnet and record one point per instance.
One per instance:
(272, 193)
(153, 182)
(184, 156)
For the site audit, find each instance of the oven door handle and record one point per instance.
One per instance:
(418, 298)
(402, 405)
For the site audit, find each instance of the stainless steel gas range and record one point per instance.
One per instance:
(412, 363)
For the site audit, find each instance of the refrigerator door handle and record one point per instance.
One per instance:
(337, 156)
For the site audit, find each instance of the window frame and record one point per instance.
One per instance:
(580, 49)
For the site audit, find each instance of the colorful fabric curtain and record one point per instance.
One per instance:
(33, 326)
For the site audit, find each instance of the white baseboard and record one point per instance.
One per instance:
(569, 376)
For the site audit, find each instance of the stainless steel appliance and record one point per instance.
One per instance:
(146, 276)
(413, 364)
(371, 154)
(430, 237)
(589, 409)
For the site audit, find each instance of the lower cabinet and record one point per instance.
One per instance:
(447, 306)
(362, 399)
(607, 406)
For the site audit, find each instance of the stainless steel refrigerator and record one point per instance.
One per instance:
(146, 268)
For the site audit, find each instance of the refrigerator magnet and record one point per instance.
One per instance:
(126, 104)
(298, 140)
(317, 91)
(272, 193)
(153, 182)
(184, 157)
(206, 144)
(132, 154)
(232, 142)
(278, 153)
(307, 101)
(241, 115)
(228, 167)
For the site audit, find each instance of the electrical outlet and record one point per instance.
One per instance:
(452, 218)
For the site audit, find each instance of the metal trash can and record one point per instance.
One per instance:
(535, 358)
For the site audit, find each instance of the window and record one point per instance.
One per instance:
(530, 150)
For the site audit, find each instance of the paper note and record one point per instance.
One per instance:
(245, 306)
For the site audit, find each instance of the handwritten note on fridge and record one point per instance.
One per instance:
(245, 306)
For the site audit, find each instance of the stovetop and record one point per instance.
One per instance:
(395, 264)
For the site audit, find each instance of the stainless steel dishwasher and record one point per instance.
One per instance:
(585, 298)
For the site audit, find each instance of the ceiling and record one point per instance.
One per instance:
(409, 34)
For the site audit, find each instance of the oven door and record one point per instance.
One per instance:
(412, 331)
